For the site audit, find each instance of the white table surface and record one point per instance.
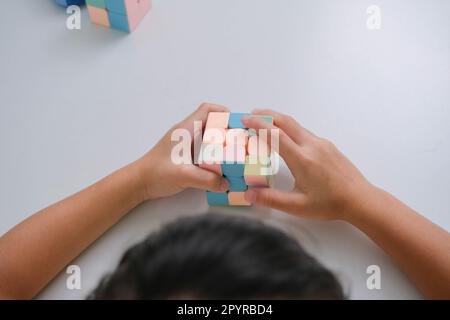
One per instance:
(76, 105)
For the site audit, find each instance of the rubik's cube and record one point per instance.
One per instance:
(234, 151)
(123, 15)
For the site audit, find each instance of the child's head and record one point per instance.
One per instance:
(217, 256)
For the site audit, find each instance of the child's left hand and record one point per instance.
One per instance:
(160, 177)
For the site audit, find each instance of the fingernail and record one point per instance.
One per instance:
(250, 195)
(223, 185)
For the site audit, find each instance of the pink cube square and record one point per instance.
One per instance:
(234, 154)
(237, 199)
(214, 136)
(236, 137)
(218, 120)
(136, 10)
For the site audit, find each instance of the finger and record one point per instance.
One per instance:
(287, 147)
(203, 179)
(288, 124)
(291, 202)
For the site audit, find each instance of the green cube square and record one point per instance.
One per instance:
(96, 3)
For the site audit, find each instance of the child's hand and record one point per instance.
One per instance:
(327, 184)
(160, 177)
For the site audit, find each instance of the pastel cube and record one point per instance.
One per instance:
(236, 120)
(236, 137)
(233, 169)
(237, 199)
(257, 147)
(96, 3)
(238, 154)
(123, 15)
(234, 154)
(98, 16)
(217, 198)
(236, 183)
(217, 120)
(215, 136)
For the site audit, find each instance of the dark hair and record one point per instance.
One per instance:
(218, 257)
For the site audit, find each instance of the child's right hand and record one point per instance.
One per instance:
(327, 184)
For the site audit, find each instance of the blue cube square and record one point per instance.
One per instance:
(217, 198)
(235, 120)
(117, 6)
(236, 184)
(118, 21)
(66, 3)
(233, 169)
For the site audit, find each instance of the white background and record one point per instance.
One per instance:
(76, 105)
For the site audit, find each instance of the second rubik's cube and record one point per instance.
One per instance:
(234, 151)
(123, 15)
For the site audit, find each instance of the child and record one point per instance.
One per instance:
(194, 258)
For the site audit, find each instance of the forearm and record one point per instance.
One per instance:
(33, 252)
(419, 247)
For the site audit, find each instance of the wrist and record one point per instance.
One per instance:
(140, 176)
(364, 197)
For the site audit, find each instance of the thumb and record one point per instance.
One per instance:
(206, 180)
(291, 202)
